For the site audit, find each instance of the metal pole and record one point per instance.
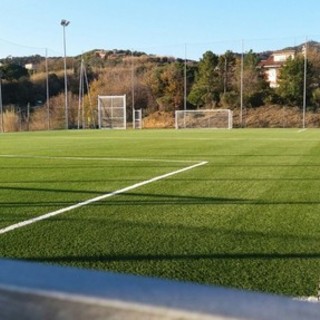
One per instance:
(133, 92)
(185, 77)
(64, 24)
(89, 98)
(1, 107)
(47, 90)
(80, 93)
(241, 85)
(225, 74)
(28, 116)
(304, 87)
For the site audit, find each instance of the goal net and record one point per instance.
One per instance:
(112, 112)
(210, 118)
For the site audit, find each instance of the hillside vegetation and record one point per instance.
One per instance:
(158, 86)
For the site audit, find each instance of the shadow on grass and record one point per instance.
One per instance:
(175, 237)
(138, 199)
(171, 257)
(51, 190)
(154, 241)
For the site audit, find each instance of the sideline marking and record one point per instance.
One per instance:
(95, 158)
(302, 130)
(96, 199)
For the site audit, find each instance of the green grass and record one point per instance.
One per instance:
(248, 219)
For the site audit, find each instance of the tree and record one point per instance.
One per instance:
(226, 67)
(291, 81)
(12, 72)
(254, 85)
(313, 55)
(229, 97)
(167, 85)
(172, 77)
(207, 86)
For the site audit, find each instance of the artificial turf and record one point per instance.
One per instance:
(248, 219)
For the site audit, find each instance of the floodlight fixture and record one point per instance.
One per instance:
(65, 22)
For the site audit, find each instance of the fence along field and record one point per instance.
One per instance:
(246, 219)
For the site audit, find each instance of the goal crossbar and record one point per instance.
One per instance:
(205, 118)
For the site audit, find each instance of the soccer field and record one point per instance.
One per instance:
(238, 208)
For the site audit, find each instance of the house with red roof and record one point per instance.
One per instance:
(271, 66)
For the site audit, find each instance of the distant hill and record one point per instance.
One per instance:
(97, 56)
(311, 44)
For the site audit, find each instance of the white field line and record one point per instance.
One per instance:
(96, 199)
(302, 130)
(95, 158)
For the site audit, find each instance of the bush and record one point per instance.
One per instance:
(229, 100)
(10, 121)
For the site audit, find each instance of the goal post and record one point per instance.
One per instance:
(112, 112)
(206, 118)
(137, 119)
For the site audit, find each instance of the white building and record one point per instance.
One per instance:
(272, 65)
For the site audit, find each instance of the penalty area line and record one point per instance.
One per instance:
(99, 198)
(94, 158)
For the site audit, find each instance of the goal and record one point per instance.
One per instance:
(112, 112)
(207, 118)
(137, 119)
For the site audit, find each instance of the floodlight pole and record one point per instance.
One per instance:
(64, 24)
(47, 90)
(241, 85)
(305, 85)
(133, 91)
(1, 107)
(185, 78)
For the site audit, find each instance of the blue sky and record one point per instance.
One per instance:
(165, 27)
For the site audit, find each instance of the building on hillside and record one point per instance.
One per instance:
(29, 66)
(271, 66)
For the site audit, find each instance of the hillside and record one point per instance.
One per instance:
(158, 85)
